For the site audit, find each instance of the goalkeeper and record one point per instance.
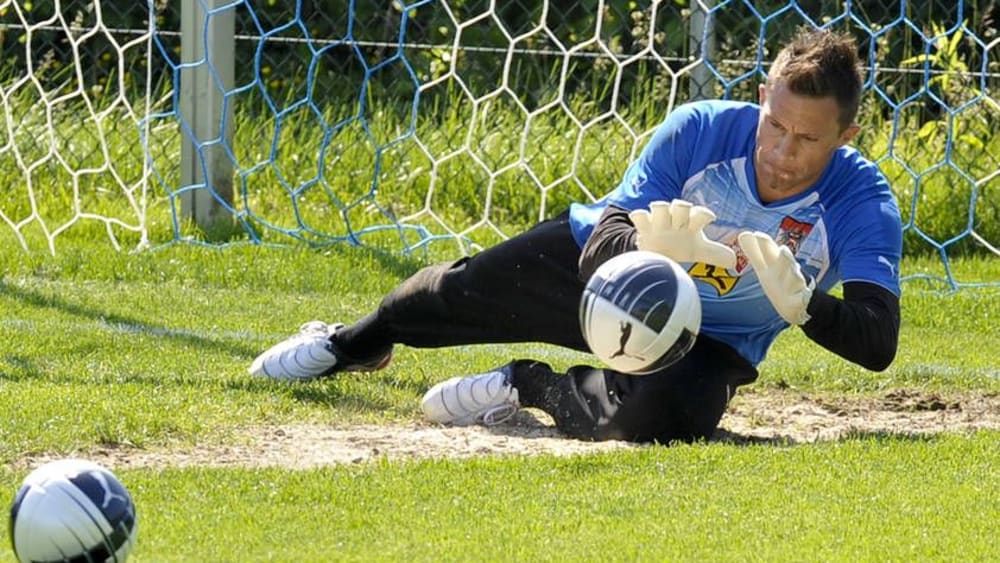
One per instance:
(764, 204)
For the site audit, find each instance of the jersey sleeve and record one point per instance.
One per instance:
(658, 174)
(870, 241)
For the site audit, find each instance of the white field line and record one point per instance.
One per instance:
(22, 325)
(538, 351)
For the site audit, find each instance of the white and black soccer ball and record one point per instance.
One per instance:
(72, 510)
(640, 312)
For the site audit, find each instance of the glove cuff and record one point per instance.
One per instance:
(806, 295)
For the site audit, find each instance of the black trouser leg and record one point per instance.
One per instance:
(524, 289)
(683, 402)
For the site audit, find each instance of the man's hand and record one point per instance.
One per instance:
(675, 230)
(779, 275)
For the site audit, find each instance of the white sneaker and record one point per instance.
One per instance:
(486, 399)
(310, 354)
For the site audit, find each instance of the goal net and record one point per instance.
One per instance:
(446, 124)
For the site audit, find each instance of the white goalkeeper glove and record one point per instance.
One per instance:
(675, 230)
(780, 276)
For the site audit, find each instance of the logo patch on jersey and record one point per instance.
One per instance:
(791, 233)
(888, 264)
(717, 277)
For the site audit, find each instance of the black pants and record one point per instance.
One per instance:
(527, 289)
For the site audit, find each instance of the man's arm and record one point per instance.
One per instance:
(613, 235)
(863, 327)
(673, 229)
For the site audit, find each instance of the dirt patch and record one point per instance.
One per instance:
(791, 417)
(755, 416)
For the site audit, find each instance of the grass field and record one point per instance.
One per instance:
(144, 356)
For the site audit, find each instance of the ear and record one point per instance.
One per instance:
(848, 134)
(761, 94)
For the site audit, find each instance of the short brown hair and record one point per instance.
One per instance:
(820, 63)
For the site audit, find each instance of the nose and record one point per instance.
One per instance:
(786, 148)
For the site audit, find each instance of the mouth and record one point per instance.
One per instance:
(778, 172)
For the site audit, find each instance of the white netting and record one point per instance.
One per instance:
(72, 153)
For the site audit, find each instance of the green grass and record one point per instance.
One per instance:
(149, 351)
(869, 498)
(686, 503)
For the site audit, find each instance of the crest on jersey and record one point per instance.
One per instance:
(791, 233)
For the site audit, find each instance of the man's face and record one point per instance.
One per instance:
(796, 137)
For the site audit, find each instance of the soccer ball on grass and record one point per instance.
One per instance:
(72, 510)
